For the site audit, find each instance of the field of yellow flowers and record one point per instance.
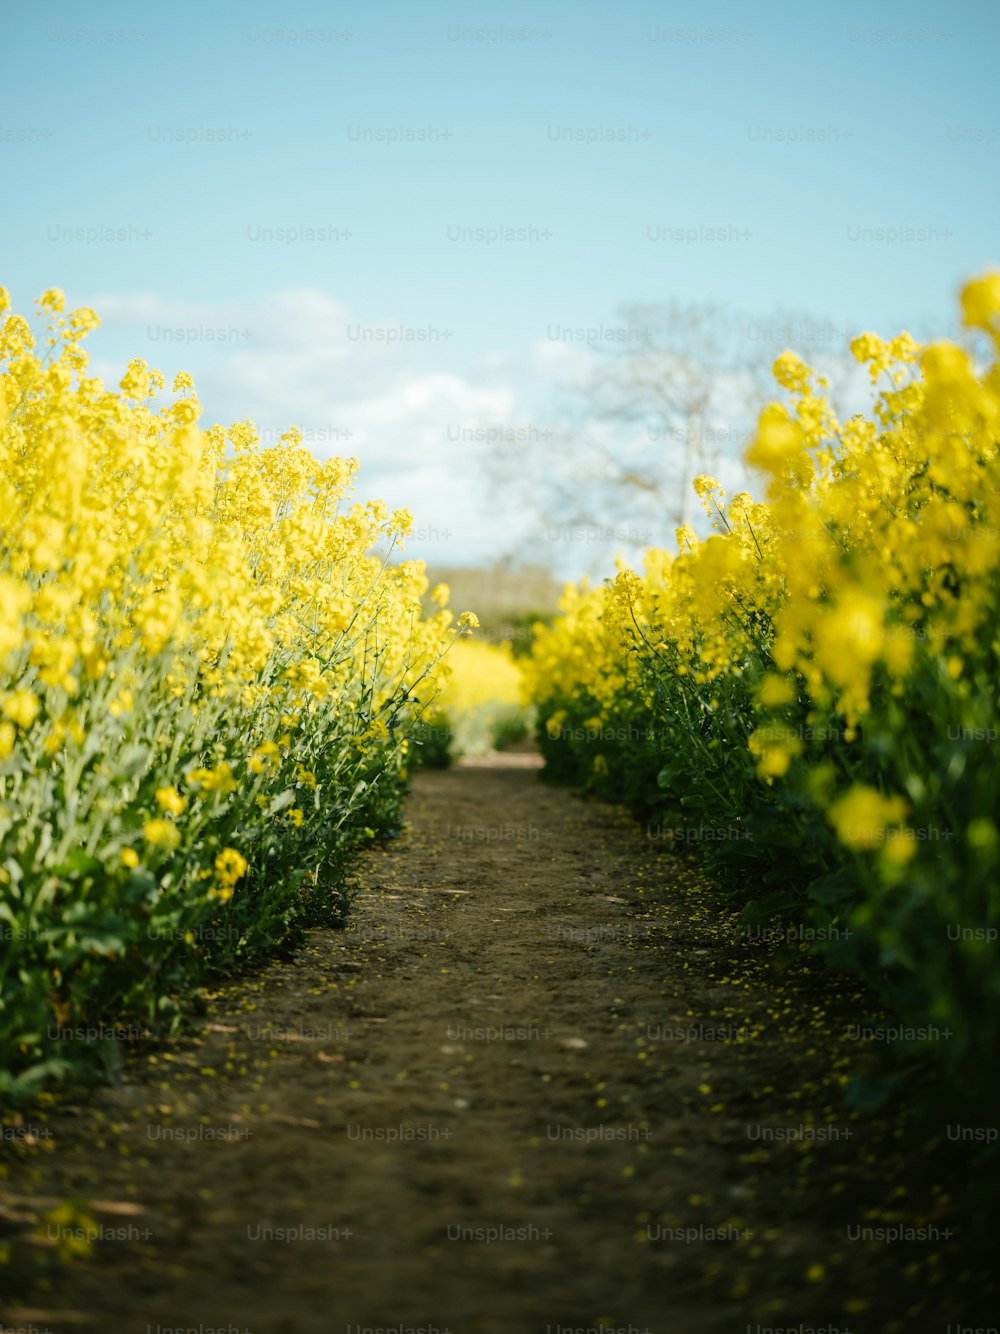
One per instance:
(480, 707)
(809, 696)
(206, 686)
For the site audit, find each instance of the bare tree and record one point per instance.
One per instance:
(674, 395)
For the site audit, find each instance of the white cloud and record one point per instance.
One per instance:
(416, 419)
(288, 360)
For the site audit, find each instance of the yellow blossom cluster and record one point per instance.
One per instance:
(818, 677)
(481, 702)
(878, 537)
(210, 657)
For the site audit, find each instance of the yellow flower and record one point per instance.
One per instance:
(778, 446)
(52, 300)
(982, 834)
(705, 485)
(862, 814)
(123, 703)
(775, 691)
(267, 755)
(791, 372)
(945, 361)
(129, 858)
(230, 866)
(981, 302)
(7, 738)
(135, 382)
(220, 779)
(775, 748)
(868, 347)
(21, 707)
(170, 800)
(899, 849)
(161, 833)
(401, 522)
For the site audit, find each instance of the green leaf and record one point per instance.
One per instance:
(282, 801)
(132, 762)
(834, 888)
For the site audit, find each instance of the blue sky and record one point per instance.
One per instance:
(639, 152)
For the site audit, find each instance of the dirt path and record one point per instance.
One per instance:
(541, 1084)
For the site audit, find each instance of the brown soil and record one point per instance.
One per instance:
(540, 1025)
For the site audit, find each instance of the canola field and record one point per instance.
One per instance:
(207, 681)
(808, 697)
